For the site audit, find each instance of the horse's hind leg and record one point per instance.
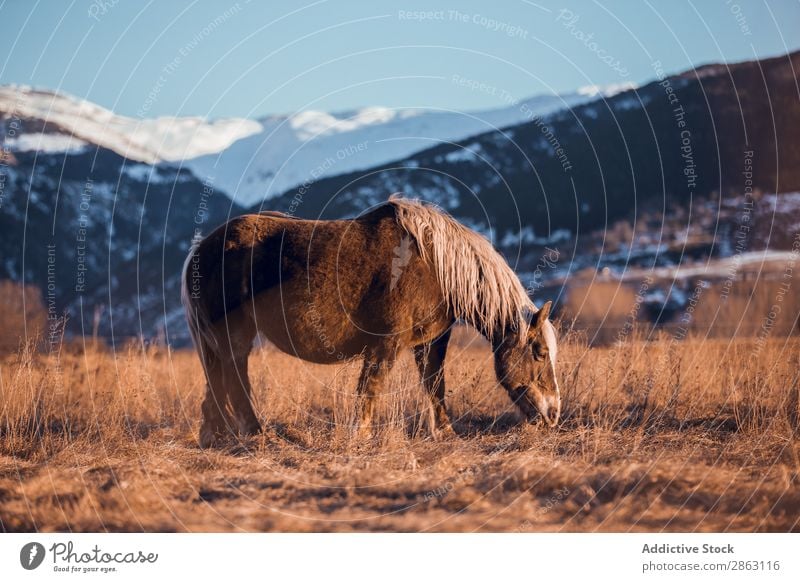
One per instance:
(228, 389)
(430, 361)
(373, 376)
(228, 384)
(241, 397)
(241, 332)
(216, 420)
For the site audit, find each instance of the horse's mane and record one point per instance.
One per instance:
(479, 286)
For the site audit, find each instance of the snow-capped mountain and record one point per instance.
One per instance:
(70, 123)
(613, 181)
(253, 160)
(311, 145)
(641, 153)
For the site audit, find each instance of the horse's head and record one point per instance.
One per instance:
(526, 368)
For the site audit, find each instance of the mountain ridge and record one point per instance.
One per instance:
(253, 160)
(627, 165)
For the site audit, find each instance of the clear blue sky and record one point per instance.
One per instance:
(228, 58)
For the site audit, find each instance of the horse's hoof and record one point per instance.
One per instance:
(251, 429)
(362, 434)
(209, 438)
(207, 441)
(444, 432)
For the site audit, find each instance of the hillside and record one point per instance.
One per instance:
(654, 148)
(654, 176)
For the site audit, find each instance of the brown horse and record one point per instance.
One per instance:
(398, 277)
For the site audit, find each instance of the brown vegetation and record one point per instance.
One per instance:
(692, 435)
(23, 314)
(752, 304)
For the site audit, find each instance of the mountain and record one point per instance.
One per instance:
(73, 124)
(712, 132)
(93, 230)
(251, 160)
(99, 218)
(307, 146)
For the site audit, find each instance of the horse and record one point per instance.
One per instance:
(397, 277)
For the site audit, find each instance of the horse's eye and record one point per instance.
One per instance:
(539, 354)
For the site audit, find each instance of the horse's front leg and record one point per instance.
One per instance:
(430, 362)
(373, 376)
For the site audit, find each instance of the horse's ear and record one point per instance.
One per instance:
(538, 318)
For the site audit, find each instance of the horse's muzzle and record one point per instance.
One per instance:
(550, 409)
(533, 404)
(552, 416)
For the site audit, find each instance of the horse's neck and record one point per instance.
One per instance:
(509, 334)
(500, 317)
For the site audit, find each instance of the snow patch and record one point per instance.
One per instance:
(595, 91)
(48, 143)
(465, 154)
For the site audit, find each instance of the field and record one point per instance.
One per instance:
(660, 435)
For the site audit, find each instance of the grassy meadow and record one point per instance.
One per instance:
(656, 435)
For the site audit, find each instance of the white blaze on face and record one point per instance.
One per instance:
(550, 338)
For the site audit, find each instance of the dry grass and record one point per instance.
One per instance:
(692, 435)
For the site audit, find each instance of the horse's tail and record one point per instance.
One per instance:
(197, 316)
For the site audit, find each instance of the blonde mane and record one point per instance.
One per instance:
(477, 283)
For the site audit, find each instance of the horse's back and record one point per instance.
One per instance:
(253, 253)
